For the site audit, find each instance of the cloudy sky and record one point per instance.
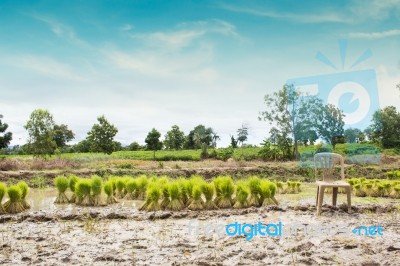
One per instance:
(146, 64)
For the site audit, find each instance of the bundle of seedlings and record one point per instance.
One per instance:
(291, 187)
(396, 192)
(13, 205)
(3, 190)
(109, 190)
(387, 188)
(61, 183)
(268, 190)
(208, 191)
(368, 188)
(71, 183)
(165, 196)
(254, 186)
(185, 187)
(297, 187)
(24, 192)
(226, 188)
(241, 195)
(120, 185)
(175, 203)
(216, 182)
(358, 190)
(97, 187)
(197, 202)
(131, 187)
(142, 186)
(82, 191)
(279, 185)
(153, 195)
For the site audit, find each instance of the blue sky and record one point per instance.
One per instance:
(146, 64)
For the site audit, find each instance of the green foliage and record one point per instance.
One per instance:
(101, 136)
(62, 135)
(385, 128)
(40, 127)
(153, 141)
(61, 183)
(225, 154)
(7, 137)
(174, 139)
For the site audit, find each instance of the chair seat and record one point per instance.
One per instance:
(338, 183)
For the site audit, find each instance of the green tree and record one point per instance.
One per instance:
(101, 136)
(7, 137)
(200, 137)
(62, 135)
(174, 139)
(134, 146)
(330, 123)
(82, 146)
(351, 134)
(153, 141)
(234, 142)
(290, 114)
(40, 127)
(242, 133)
(385, 127)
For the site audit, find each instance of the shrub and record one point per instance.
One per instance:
(61, 183)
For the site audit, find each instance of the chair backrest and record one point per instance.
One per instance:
(327, 161)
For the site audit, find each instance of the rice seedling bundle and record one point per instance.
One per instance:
(152, 197)
(82, 191)
(71, 183)
(174, 191)
(13, 205)
(3, 190)
(185, 188)
(208, 192)
(197, 202)
(279, 186)
(61, 183)
(24, 192)
(142, 186)
(242, 195)
(255, 191)
(109, 190)
(131, 189)
(359, 191)
(97, 187)
(297, 185)
(165, 196)
(396, 192)
(120, 185)
(226, 188)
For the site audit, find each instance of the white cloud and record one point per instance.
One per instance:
(375, 35)
(126, 27)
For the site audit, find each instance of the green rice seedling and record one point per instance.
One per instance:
(109, 190)
(298, 187)
(368, 188)
(120, 184)
(13, 205)
(391, 175)
(24, 192)
(3, 190)
(131, 187)
(242, 195)
(291, 187)
(152, 197)
(216, 182)
(197, 202)
(273, 189)
(71, 183)
(379, 191)
(362, 179)
(162, 180)
(142, 183)
(227, 188)
(97, 188)
(208, 192)
(396, 192)
(82, 190)
(358, 190)
(279, 185)
(265, 194)
(255, 191)
(174, 193)
(61, 183)
(388, 188)
(165, 196)
(184, 187)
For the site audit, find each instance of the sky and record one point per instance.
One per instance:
(154, 64)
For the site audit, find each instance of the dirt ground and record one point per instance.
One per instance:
(122, 235)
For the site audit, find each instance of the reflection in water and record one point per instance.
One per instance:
(43, 200)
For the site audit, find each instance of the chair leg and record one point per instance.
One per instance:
(348, 192)
(334, 196)
(316, 200)
(320, 199)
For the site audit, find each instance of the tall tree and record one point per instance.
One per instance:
(351, 134)
(62, 135)
(7, 137)
(289, 113)
(40, 127)
(242, 133)
(199, 137)
(174, 139)
(330, 124)
(386, 127)
(153, 141)
(101, 136)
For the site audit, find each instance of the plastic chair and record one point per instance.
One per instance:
(327, 161)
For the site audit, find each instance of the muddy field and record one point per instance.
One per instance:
(122, 235)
